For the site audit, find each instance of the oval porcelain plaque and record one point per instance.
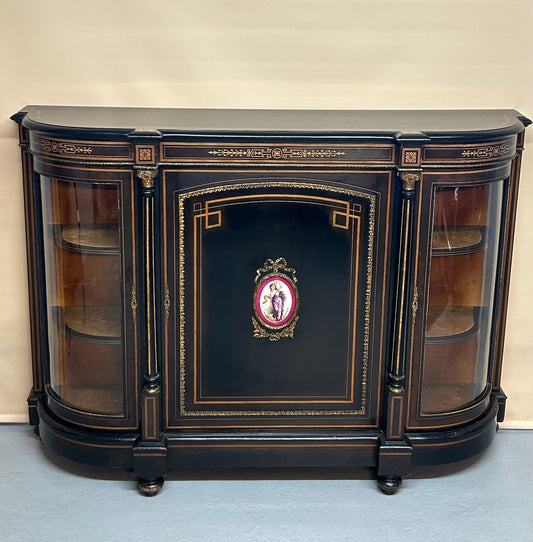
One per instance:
(275, 300)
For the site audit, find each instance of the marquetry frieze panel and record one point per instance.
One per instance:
(250, 154)
(89, 151)
(503, 149)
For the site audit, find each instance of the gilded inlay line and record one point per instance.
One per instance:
(342, 219)
(371, 198)
(212, 219)
(403, 282)
(301, 198)
(394, 423)
(201, 209)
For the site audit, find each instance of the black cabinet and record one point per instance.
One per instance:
(268, 288)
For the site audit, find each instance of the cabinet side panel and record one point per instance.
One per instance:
(32, 214)
(508, 222)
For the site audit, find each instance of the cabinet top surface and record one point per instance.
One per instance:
(124, 120)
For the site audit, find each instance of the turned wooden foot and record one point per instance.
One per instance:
(389, 484)
(150, 488)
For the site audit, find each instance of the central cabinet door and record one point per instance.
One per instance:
(274, 297)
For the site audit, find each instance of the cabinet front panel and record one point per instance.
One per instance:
(85, 243)
(277, 284)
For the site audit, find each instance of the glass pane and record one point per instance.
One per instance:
(464, 257)
(84, 293)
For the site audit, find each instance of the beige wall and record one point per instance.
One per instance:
(275, 53)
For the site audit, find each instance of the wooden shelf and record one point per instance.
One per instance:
(441, 398)
(99, 400)
(100, 324)
(457, 239)
(450, 322)
(99, 239)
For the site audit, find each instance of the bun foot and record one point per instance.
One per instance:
(389, 484)
(150, 488)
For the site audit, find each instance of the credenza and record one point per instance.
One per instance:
(256, 288)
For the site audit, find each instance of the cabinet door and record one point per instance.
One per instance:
(462, 263)
(276, 288)
(88, 247)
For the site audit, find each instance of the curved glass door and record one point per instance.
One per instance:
(464, 256)
(83, 253)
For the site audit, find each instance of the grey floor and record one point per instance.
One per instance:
(44, 498)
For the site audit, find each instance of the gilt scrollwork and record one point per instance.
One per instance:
(275, 266)
(275, 153)
(489, 151)
(166, 304)
(133, 303)
(414, 306)
(59, 147)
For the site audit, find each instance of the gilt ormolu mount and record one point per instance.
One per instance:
(268, 288)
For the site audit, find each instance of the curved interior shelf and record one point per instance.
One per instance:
(99, 238)
(106, 400)
(458, 239)
(451, 323)
(94, 324)
(443, 398)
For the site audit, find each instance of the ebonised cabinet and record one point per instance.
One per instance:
(268, 288)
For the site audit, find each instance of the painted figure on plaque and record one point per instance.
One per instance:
(277, 299)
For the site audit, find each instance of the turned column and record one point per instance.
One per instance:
(395, 452)
(150, 452)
